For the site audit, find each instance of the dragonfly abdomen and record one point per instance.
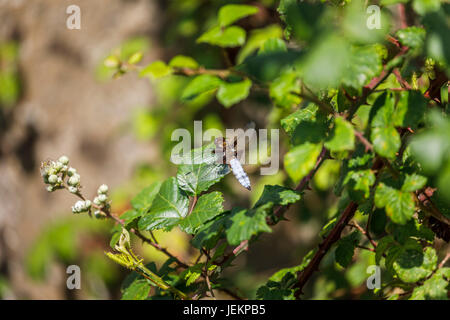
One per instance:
(239, 173)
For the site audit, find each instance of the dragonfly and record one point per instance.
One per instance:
(228, 149)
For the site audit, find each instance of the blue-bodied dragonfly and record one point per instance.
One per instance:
(228, 154)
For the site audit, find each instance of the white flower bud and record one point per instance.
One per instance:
(99, 215)
(97, 201)
(58, 166)
(74, 180)
(64, 160)
(102, 198)
(50, 188)
(103, 189)
(71, 171)
(44, 172)
(53, 179)
(87, 204)
(73, 189)
(80, 206)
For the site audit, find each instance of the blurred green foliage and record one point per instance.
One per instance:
(10, 87)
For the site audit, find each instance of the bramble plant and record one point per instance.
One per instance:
(366, 115)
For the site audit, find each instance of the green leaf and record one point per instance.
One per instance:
(233, 12)
(300, 160)
(200, 170)
(311, 126)
(232, 93)
(399, 205)
(135, 58)
(246, 223)
(303, 19)
(411, 229)
(360, 183)
(280, 274)
(363, 65)
(378, 222)
(168, 208)
(137, 290)
(181, 61)
(208, 235)
(413, 265)
(413, 37)
(192, 273)
(325, 64)
(200, 84)
(257, 39)
(282, 90)
(128, 217)
(208, 206)
(386, 141)
(156, 70)
(431, 147)
(278, 290)
(224, 37)
(142, 202)
(327, 227)
(346, 248)
(410, 109)
(434, 288)
(308, 118)
(273, 45)
(437, 39)
(385, 138)
(278, 195)
(382, 111)
(327, 175)
(133, 45)
(413, 182)
(342, 137)
(116, 231)
(424, 6)
(382, 247)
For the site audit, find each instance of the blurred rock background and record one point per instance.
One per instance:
(62, 108)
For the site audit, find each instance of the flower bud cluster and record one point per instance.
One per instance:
(54, 173)
(101, 200)
(81, 206)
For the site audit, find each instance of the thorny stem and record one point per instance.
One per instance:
(364, 232)
(333, 236)
(194, 202)
(442, 264)
(327, 243)
(142, 270)
(223, 74)
(364, 141)
(206, 275)
(427, 205)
